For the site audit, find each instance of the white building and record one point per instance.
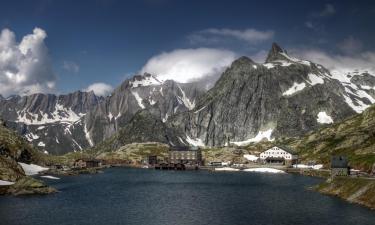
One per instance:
(280, 155)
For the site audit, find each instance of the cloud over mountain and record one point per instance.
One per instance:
(184, 65)
(100, 89)
(25, 67)
(363, 61)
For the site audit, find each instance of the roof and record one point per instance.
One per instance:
(183, 148)
(339, 162)
(88, 160)
(285, 148)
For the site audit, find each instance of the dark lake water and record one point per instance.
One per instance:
(137, 196)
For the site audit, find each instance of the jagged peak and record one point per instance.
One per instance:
(276, 53)
(146, 79)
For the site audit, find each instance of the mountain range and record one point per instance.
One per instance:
(250, 102)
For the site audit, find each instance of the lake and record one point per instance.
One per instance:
(141, 196)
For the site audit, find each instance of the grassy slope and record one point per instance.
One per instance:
(354, 137)
(356, 190)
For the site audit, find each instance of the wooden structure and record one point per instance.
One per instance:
(339, 166)
(90, 163)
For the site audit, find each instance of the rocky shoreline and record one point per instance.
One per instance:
(26, 186)
(355, 190)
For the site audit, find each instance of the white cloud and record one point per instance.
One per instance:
(363, 61)
(25, 67)
(100, 89)
(214, 35)
(71, 66)
(184, 65)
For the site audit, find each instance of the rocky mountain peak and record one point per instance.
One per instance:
(243, 60)
(276, 53)
(146, 79)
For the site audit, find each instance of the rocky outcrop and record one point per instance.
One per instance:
(27, 186)
(14, 149)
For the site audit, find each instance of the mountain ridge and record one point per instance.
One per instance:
(282, 97)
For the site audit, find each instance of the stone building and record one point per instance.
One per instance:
(279, 155)
(339, 166)
(185, 155)
(91, 163)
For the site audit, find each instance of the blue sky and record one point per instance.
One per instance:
(108, 41)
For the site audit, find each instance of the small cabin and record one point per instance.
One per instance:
(279, 155)
(153, 159)
(91, 163)
(339, 166)
(79, 163)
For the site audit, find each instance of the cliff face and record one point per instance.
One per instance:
(284, 97)
(158, 101)
(51, 123)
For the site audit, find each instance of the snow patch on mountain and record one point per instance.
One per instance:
(88, 137)
(324, 118)
(200, 109)
(110, 116)
(138, 98)
(145, 80)
(165, 118)
(30, 137)
(307, 63)
(269, 65)
(60, 114)
(76, 143)
(315, 79)
(186, 101)
(32, 169)
(194, 141)
(295, 88)
(356, 105)
(259, 137)
(252, 158)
